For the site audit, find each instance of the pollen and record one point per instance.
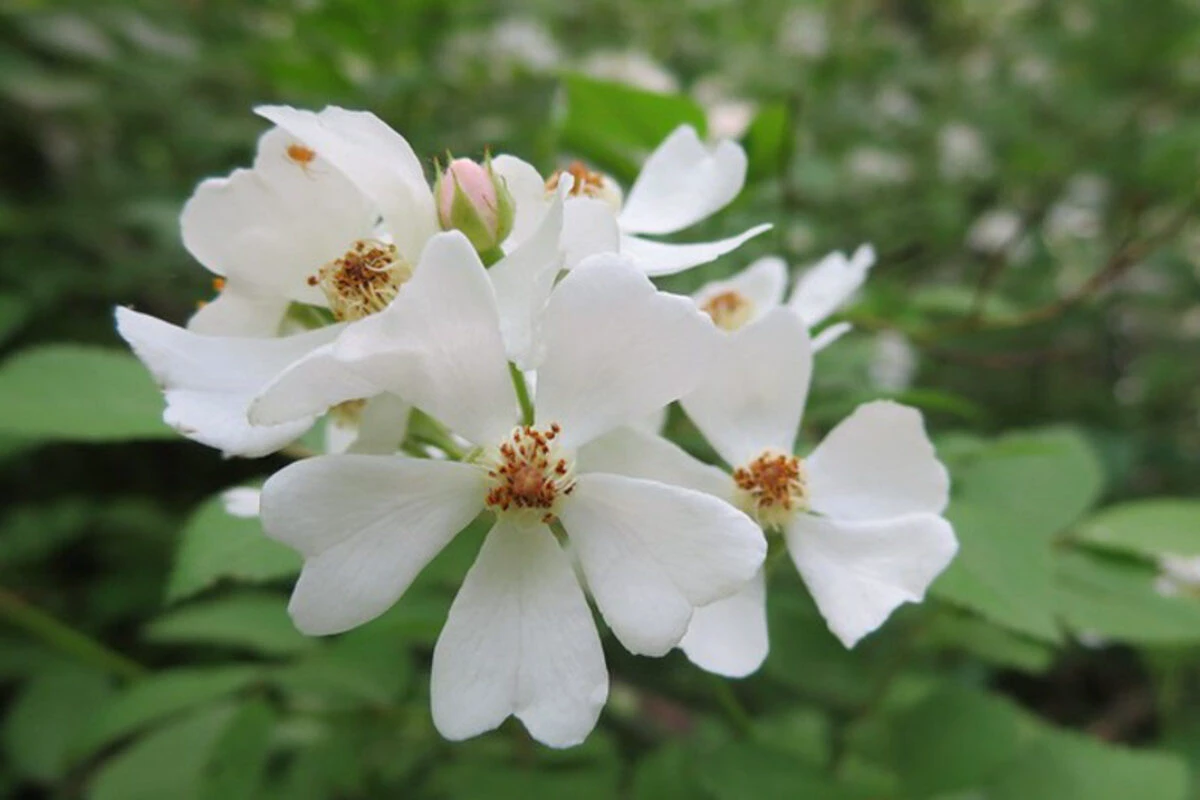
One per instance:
(301, 155)
(772, 488)
(729, 309)
(529, 474)
(364, 280)
(587, 183)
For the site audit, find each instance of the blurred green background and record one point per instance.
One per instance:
(1028, 172)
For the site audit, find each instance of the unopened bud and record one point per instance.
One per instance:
(473, 199)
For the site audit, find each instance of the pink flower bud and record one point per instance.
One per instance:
(471, 198)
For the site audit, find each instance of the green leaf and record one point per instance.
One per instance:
(255, 622)
(768, 141)
(235, 768)
(364, 665)
(13, 314)
(161, 695)
(73, 392)
(616, 125)
(955, 740)
(1045, 480)
(43, 723)
(982, 639)
(665, 774)
(1000, 572)
(503, 782)
(1162, 526)
(217, 546)
(963, 743)
(171, 761)
(810, 659)
(1117, 599)
(1066, 765)
(1010, 499)
(748, 771)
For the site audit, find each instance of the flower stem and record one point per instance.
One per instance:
(60, 636)
(522, 388)
(741, 720)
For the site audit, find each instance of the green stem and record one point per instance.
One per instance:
(737, 714)
(441, 441)
(58, 635)
(522, 388)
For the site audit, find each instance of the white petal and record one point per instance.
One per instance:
(637, 453)
(382, 426)
(275, 225)
(753, 394)
(310, 386)
(616, 349)
(240, 310)
(683, 182)
(877, 464)
(825, 287)
(242, 501)
(664, 258)
(729, 637)
(437, 345)
(522, 281)
(651, 552)
(829, 335)
(528, 190)
(519, 640)
(859, 572)
(366, 525)
(374, 158)
(651, 423)
(209, 381)
(589, 228)
(762, 283)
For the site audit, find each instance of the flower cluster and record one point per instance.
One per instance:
(515, 311)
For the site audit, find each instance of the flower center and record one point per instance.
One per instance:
(587, 183)
(364, 280)
(729, 309)
(529, 473)
(772, 488)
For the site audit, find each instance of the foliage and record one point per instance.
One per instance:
(1027, 172)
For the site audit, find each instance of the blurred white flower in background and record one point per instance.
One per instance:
(1179, 576)
(873, 166)
(1079, 212)
(728, 115)
(962, 152)
(995, 231)
(893, 362)
(897, 105)
(804, 32)
(527, 42)
(631, 67)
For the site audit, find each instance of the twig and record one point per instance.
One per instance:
(64, 638)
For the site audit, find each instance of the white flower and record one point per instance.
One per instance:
(519, 639)
(631, 67)
(265, 230)
(242, 501)
(860, 515)
(819, 291)
(893, 362)
(963, 152)
(682, 182)
(335, 213)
